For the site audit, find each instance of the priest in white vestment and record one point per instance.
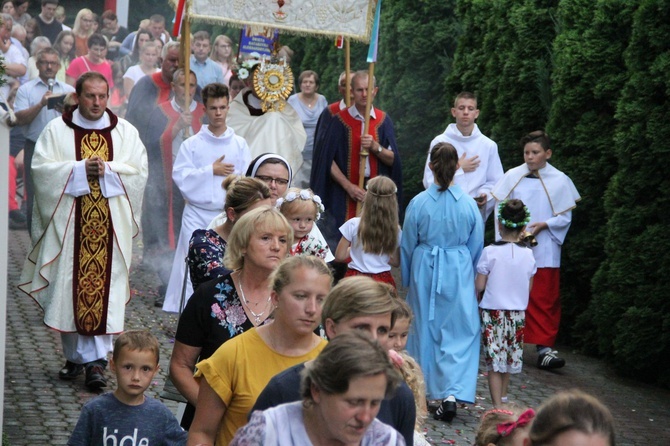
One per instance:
(89, 170)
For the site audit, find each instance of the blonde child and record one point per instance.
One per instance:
(413, 376)
(302, 208)
(504, 427)
(400, 330)
(372, 241)
(505, 275)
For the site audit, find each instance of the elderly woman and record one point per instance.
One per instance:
(207, 247)
(221, 309)
(232, 378)
(352, 368)
(308, 104)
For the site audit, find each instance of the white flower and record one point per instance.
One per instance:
(291, 196)
(243, 73)
(317, 200)
(305, 194)
(255, 55)
(279, 202)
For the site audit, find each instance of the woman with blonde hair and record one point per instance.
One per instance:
(83, 29)
(232, 378)
(223, 54)
(148, 65)
(223, 308)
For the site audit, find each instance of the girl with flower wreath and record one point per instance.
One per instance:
(505, 275)
(371, 242)
(302, 208)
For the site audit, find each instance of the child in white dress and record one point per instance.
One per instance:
(371, 242)
(505, 275)
(302, 208)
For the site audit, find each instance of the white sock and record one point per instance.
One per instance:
(451, 398)
(504, 399)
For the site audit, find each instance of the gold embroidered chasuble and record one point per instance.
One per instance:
(78, 268)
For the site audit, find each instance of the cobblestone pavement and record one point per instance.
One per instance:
(40, 409)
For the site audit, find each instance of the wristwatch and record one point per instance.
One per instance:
(379, 148)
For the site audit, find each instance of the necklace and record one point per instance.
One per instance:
(310, 102)
(245, 302)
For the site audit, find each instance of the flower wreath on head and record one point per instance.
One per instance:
(245, 67)
(304, 194)
(510, 224)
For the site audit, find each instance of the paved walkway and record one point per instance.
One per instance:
(40, 409)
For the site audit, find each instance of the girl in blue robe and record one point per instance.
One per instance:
(443, 237)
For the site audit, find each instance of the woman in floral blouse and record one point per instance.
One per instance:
(223, 308)
(208, 246)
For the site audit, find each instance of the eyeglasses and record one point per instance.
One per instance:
(98, 50)
(47, 63)
(269, 180)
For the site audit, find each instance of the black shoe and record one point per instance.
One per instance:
(70, 371)
(17, 220)
(446, 411)
(95, 376)
(549, 360)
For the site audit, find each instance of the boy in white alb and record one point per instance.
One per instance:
(202, 163)
(480, 166)
(550, 196)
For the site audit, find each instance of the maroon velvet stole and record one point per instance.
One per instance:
(93, 236)
(354, 132)
(166, 154)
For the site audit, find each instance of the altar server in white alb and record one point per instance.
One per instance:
(479, 164)
(89, 170)
(550, 196)
(202, 163)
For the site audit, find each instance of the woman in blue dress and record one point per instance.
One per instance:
(442, 240)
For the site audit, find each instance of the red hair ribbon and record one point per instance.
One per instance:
(507, 428)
